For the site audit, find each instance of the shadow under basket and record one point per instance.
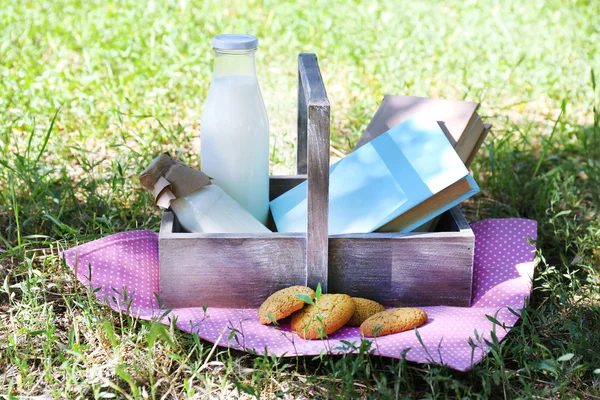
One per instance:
(242, 270)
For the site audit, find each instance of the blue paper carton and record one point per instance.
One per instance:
(382, 180)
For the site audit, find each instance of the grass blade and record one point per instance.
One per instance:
(47, 137)
(549, 141)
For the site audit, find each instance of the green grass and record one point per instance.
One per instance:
(125, 80)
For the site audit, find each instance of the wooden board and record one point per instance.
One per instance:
(226, 270)
(314, 128)
(406, 269)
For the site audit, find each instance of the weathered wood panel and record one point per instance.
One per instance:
(312, 90)
(302, 132)
(413, 270)
(403, 269)
(227, 270)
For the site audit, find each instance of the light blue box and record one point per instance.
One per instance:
(381, 180)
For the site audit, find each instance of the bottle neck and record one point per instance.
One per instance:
(234, 62)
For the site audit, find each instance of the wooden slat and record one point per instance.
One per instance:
(419, 270)
(302, 133)
(166, 223)
(315, 106)
(226, 270)
(406, 269)
(461, 221)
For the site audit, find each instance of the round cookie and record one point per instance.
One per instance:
(283, 303)
(393, 321)
(364, 308)
(334, 311)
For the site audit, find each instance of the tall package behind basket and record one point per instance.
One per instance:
(242, 270)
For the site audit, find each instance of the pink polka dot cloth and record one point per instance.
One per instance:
(123, 269)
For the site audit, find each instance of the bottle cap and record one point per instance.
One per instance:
(231, 41)
(168, 179)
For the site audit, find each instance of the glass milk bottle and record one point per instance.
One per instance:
(235, 128)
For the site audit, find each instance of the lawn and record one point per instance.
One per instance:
(91, 90)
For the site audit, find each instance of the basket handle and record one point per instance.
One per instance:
(313, 160)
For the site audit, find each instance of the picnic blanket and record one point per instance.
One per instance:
(123, 269)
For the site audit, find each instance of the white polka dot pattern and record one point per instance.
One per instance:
(124, 268)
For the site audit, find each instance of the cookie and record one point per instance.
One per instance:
(393, 321)
(364, 308)
(333, 310)
(283, 303)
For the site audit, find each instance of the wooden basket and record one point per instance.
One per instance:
(241, 271)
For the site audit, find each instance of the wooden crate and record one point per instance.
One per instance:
(234, 270)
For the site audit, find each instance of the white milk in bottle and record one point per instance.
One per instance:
(235, 127)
